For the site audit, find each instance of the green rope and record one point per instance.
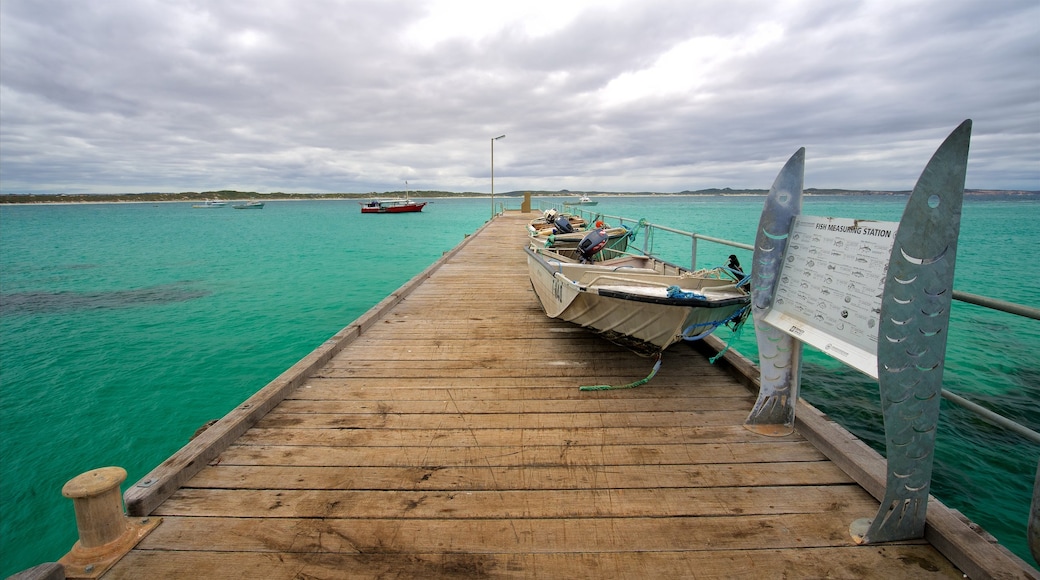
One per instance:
(737, 331)
(657, 367)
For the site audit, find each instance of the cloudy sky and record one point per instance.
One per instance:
(602, 95)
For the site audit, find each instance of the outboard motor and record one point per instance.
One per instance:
(562, 226)
(592, 243)
(550, 216)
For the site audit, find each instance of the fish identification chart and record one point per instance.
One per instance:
(830, 286)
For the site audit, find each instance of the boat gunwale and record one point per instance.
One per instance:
(614, 292)
(675, 301)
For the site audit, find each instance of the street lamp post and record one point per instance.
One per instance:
(493, 173)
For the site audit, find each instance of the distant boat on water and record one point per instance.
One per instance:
(583, 200)
(405, 205)
(209, 204)
(392, 206)
(249, 205)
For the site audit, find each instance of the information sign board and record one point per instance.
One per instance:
(830, 284)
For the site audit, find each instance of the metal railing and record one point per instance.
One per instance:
(650, 227)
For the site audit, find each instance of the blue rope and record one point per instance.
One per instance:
(736, 336)
(677, 292)
(738, 315)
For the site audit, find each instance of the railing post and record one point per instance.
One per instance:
(105, 533)
(1033, 534)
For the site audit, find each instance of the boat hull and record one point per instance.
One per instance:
(392, 207)
(619, 305)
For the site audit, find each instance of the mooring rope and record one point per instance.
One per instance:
(717, 323)
(737, 331)
(657, 367)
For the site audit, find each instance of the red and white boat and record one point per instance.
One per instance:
(392, 206)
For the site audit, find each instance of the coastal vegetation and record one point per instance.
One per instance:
(230, 195)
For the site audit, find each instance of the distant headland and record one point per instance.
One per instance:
(230, 195)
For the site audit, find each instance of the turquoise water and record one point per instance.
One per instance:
(125, 327)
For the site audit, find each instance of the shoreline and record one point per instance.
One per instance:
(55, 199)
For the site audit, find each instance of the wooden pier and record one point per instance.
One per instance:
(443, 435)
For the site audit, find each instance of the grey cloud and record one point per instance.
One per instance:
(334, 96)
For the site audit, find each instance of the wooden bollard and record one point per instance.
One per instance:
(99, 507)
(105, 533)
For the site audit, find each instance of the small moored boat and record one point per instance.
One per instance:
(639, 302)
(553, 222)
(249, 205)
(403, 205)
(392, 206)
(208, 204)
(583, 200)
(564, 232)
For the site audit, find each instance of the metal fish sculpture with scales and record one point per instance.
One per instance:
(915, 313)
(779, 355)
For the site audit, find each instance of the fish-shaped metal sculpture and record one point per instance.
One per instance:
(779, 355)
(915, 313)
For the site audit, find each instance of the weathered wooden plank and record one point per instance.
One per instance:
(543, 380)
(497, 437)
(509, 406)
(499, 420)
(892, 561)
(512, 535)
(548, 367)
(329, 389)
(506, 479)
(528, 455)
(567, 378)
(668, 502)
(673, 502)
(544, 366)
(504, 354)
(530, 324)
(586, 345)
(552, 374)
(558, 373)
